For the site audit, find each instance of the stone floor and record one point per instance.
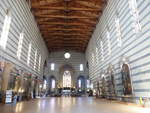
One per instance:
(71, 105)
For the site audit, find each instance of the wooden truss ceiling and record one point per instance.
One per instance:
(67, 24)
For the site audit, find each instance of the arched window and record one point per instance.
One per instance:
(39, 65)
(53, 83)
(88, 83)
(67, 79)
(45, 84)
(52, 66)
(20, 45)
(5, 30)
(29, 53)
(135, 15)
(126, 80)
(81, 67)
(102, 50)
(97, 57)
(118, 30)
(79, 83)
(108, 42)
(91, 86)
(35, 59)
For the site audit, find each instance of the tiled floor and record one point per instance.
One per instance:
(71, 105)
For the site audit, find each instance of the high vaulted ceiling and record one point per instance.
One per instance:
(67, 24)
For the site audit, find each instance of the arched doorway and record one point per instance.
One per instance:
(126, 80)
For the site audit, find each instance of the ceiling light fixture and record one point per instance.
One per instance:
(67, 55)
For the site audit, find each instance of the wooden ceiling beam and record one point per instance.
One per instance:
(58, 34)
(59, 29)
(62, 37)
(90, 4)
(61, 40)
(43, 12)
(65, 40)
(71, 29)
(49, 2)
(67, 26)
(66, 45)
(49, 29)
(79, 43)
(91, 27)
(81, 49)
(63, 16)
(89, 13)
(56, 45)
(64, 49)
(64, 8)
(51, 12)
(90, 21)
(66, 33)
(64, 23)
(43, 2)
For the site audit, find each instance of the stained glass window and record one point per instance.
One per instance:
(67, 79)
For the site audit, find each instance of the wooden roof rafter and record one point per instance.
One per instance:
(67, 24)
